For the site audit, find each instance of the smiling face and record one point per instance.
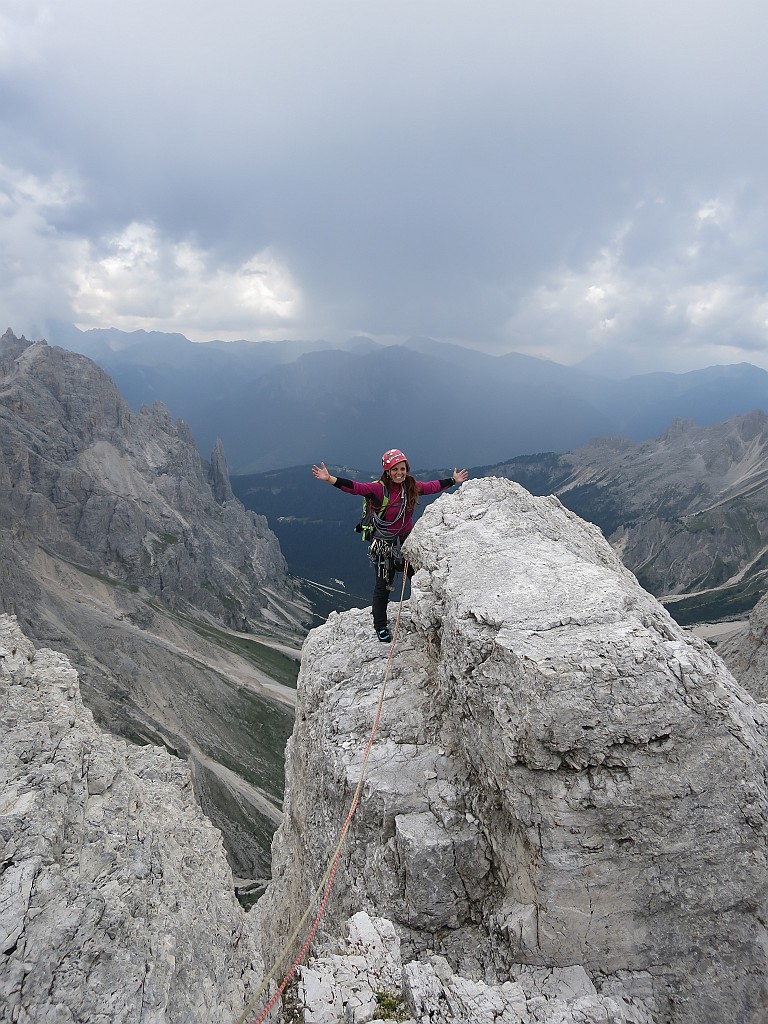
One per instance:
(398, 472)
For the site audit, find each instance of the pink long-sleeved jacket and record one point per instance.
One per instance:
(401, 520)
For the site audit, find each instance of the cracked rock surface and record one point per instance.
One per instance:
(366, 980)
(562, 778)
(746, 652)
(116, 900)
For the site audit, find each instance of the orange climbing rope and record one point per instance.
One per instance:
(326, 882)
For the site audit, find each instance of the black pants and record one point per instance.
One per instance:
(381, 592)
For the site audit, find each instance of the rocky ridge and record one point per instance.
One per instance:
(563, 780)
(688, 512)
(127, 493)
(122, 548)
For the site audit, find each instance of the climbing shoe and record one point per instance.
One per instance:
(384, 635)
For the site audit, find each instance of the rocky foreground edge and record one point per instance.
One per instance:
(564, 816)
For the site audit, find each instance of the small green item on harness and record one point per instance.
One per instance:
(372, 519)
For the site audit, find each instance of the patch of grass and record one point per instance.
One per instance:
(697, 524)
(390, 1007)
(720, 604)
(109, 580)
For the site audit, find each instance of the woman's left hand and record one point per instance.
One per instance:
(460, 476)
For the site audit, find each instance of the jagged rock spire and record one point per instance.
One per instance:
(218, 474)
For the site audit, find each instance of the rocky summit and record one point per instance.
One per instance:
(121, 547)
(688, 512)
(564, 815)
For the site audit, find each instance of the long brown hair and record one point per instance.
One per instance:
(411, 490)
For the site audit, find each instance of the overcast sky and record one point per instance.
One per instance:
(574, 179)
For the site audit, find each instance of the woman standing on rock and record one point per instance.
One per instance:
(388, 519)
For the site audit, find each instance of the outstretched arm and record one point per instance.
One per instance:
(321, 473)
(348, 486)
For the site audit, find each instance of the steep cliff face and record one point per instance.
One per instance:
(121, 547)
(745, 652)
(562, 777)
(125, 493)
(117, 900)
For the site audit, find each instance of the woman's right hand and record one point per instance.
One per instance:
(321, 473)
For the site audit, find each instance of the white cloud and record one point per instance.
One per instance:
(714, 211)
(264, 169)
(692, 295)
(138, 279)
(135, 278)
(33, 255)
(21, 24)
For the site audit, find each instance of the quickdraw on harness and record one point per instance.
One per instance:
(387, 556)
(372, 523)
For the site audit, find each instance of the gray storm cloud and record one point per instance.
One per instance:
(569, 180)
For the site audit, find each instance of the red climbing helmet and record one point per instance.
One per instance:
(392, 457)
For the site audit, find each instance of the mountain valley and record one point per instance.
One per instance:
(125, 550)
(122, 548)
(687, 513)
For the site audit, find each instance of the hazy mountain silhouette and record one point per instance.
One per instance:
(294, 402)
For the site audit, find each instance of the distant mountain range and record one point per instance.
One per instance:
(687, 513)
(276, 405)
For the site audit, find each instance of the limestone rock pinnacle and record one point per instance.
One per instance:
(562, 776)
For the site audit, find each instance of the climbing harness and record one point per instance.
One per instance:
(387, 557)
(326, 882)
(384, 550)
(373, 525)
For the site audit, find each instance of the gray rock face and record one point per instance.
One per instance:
(219, 474)
(687, 512)
(123, 549)
(746, 652)
(367, 980)
(561, 776)
(125, 493)
(116, 900)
